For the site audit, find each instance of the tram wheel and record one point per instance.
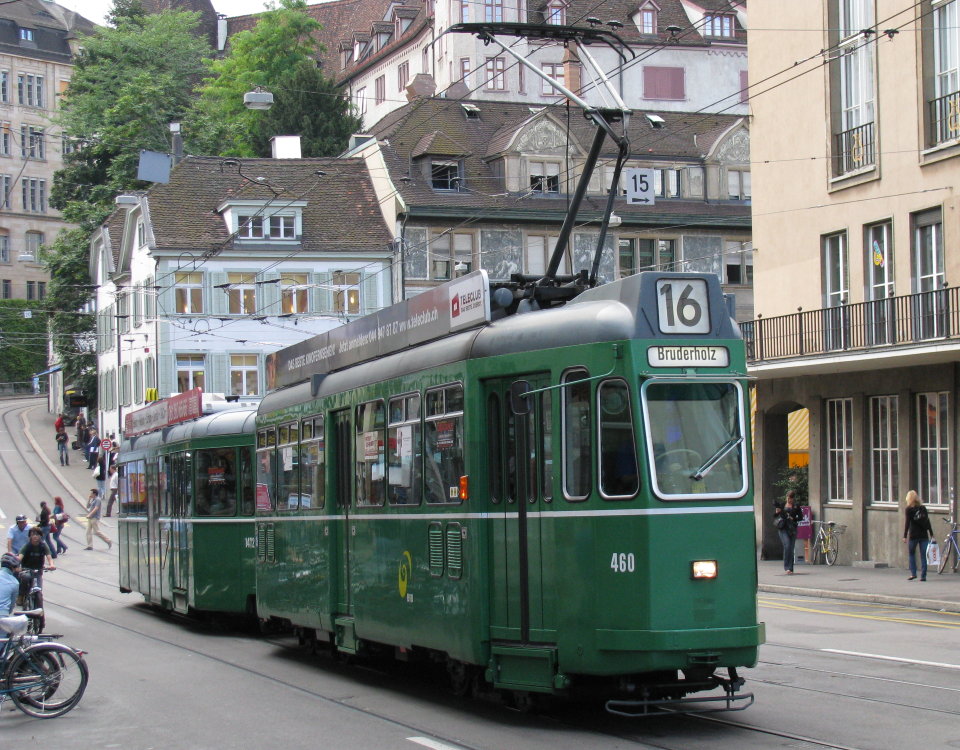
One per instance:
(463, 678)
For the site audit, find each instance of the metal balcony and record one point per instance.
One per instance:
(864, 326)
(854, 149)
(945, 119)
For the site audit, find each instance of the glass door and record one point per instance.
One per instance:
(880, 318)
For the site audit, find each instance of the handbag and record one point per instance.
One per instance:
(933, 554)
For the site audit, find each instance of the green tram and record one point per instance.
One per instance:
(186, 526)
(551, 502)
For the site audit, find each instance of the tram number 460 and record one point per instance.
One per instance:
(683, 306)
(623, 562)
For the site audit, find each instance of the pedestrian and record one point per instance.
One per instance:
(60, 517)
(82, 436)
(18, 534)
(9, 583)
(93, 448)
(59, 424)
(45, 522)
(94, 507)
(35, 556)
(917, 532)
(786, 518)
(62, 440)
(114, 485)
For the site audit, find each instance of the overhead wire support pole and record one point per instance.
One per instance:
(601, 118)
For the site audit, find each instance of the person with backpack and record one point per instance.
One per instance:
(917, 532)
(786, 518)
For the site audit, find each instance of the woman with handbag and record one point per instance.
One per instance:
(60, 518)
(917, 532)
(786, 518)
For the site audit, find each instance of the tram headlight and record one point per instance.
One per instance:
(703, 569)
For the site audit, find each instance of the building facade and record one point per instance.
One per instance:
(198, 279)
(855, 151)
(482, 184)
(37, 42)
(683, 56)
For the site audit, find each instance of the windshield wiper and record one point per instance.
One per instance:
(715, 458)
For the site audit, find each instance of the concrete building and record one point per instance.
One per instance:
(855, 145)
(37, 42)
(684, 56)
(200, 278)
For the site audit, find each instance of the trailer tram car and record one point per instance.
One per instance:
(186, 526)
(552, 502)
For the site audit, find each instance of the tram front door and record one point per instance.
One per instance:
(520, 489)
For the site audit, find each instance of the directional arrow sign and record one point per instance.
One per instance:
(640, 186)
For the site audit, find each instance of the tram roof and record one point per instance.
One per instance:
(622, 310)
(226, 422)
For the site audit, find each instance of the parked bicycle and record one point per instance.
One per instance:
(44, 679)
(826, 543)
(949, 549)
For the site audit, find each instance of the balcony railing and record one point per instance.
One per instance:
(853, 149)
(945, 118)
(910, 319)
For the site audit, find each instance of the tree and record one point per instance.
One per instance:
(278, 54)
(129, 82)
(23, 341)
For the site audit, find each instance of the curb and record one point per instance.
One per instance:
(903, 601)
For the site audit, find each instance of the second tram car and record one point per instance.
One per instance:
(186, 527)
(552, 502)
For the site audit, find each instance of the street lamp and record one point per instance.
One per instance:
(258, 99)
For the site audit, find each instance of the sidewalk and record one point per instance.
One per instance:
(880, 585)
(38, 429)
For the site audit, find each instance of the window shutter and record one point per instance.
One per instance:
(166, 302)
(219, 296)
(167, 375)
(208, 290)
(323, 295)
(218, 364)
(371, 297)
(268, 295)
(663, 83)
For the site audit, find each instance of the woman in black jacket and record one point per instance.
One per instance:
(786, 518)
(917, 532)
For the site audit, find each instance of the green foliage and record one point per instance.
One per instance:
(793, 478)
(23, 341)
(311, 106)
(277, 55)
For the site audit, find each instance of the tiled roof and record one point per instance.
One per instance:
(341, 212)
(684, 137)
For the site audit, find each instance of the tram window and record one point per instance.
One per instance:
(494, 446)
(618, 453)
(546, 445)
(443, 444)
(247, 491)
(371, 453)
(216, 482)
(133, 488)
(152, 488)
(266, 438)
(312, 464)
(266, 471)
(288, 495)
(180, 484)
(531, 472)
(576, 432)
(405, 459)
(163, 491)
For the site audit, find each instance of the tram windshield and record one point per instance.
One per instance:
(695, 439)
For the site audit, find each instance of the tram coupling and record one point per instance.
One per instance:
(667, 698)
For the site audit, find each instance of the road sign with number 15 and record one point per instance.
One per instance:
(640, 186)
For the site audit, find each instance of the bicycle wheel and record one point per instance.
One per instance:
(946, 551)
(47, 680)
(830, 549)
(36, 624)
(815, 551)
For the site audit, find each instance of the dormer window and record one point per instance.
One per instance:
(26, 35)
(544, 176)
(276, 227)
(359, 48)
(445, 175)
(556, 13)
(719, 24)
(648, 21)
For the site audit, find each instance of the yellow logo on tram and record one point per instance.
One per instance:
(403, 577)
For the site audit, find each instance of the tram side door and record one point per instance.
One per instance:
(180, 504)
(342, 462)
(519, 454)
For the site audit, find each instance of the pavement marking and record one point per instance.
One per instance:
(432, 744)
(905, 620)
(870, 605)
(944, 665)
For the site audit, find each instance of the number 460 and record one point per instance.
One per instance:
(623, 562)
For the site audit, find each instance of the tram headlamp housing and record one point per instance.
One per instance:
(700, 569)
